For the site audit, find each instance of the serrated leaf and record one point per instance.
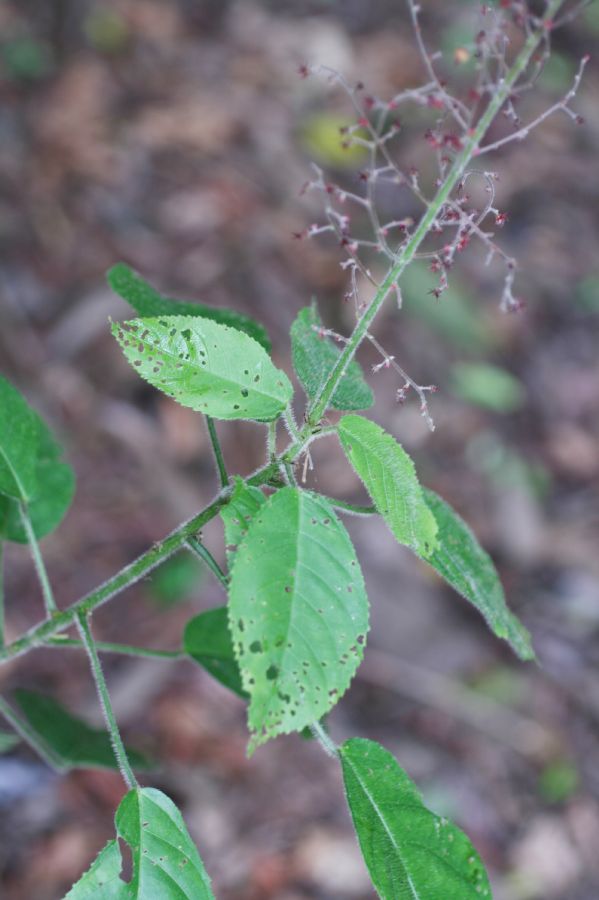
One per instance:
(147, 301)
(298, 613)
(71, 741)
(238, 513)
(411, 853)
(313, 359)
(462, 562)
(166, 864)
(390, 478)
(18, 444)
(209, 367)
(207, 639)
(55, 487)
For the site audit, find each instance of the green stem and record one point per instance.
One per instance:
(351, 507)
(26, 732)
(1, 595)
(132, 573)
(454, 175)
(271, 440)
(218, 453)
(113, 729)
(198, 548)
(38, 562)
(58, 640)
(327, 744)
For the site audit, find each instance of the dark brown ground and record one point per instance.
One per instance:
(170, 134)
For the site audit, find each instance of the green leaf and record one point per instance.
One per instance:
(209, 367)
(147, 301)
(31, 469)
(314, 358)
(18, 444)
(462, 562)
(207, 639)
(390, 478)
(487, 386)
(411, 853)
(166, 864)
(52, 497)
(73, 742)
(237, 515)
(7, 741)
(298, 613)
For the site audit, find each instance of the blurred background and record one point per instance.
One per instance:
(176, 136)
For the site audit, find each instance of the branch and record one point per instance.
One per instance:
(104, 697)
(453, 177)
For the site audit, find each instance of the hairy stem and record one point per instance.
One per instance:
(113, 729)
(132, 573)
(218, 452)
(453, 177)
(38, 562)
(199, 550)
(59, 640)
(327, 744)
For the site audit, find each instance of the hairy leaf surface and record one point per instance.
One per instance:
(72, 742)
(390, 478)
(411, 853)
(147, 301)
(237, 515)
(166, 864)
(209, 367)
(469, 569)
(207, 639)
(298, 612)
(314, 358)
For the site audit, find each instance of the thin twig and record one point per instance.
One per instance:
(218, 453)
(105, 702)
(59, 640)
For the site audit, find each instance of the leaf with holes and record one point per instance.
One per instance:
(314, 358)
(390, 478)
(147, 301)
(298, 613)
(411, 853)
(52, 496)
(19, 441)
(207, 639)
(462, 562)
(238, 513)
(166, 864)
(71, 743)
(209, 367)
